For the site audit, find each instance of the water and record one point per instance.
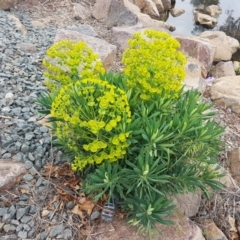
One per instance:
(228, 21)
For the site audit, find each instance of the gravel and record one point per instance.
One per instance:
(22, 137)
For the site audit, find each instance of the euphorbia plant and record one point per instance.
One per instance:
(142, 135)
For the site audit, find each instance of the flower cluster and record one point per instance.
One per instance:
(92, 114)
(153, 64)
(67, 62)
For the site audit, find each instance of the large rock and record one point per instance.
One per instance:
(195, 75)
(105, 50)
(167, 4)
(148, 7)
(80, 12)
(188, 203)
(124, 33)
(183, 229)
(205, 20)
(225, 91)
(213, 10)
(113, 13)
(176, 12)
(159, 6)
(211, 231)
(198, 48)
(7, 4)
(223, 69)
(225, 45)
(10, 173)
(18, 23)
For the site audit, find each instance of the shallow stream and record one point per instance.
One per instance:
(228, 21)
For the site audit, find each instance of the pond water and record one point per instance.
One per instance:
(228, 21)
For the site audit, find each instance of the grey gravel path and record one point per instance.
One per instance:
(22, 138)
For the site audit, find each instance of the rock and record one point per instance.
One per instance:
(38, 24)
(18, 23)
(10, 173)
(95, 215)
(113, 13)
(105, 50)
(21, 212)
(205, 20)
(147, 21)
(211, 231)
(225, 45)
(27, 47)
(188, 203)
(195, 75)
(7, 4)
(149, 8)
(85, 29)
(22, 234)
(123, 34)
(184, 229)
(223, 69)
(80, 12)
(198, 48)
(43, 235)
(159, 6)
(236, 66)
(224, 91)
(167, 4)
(67, 234)
(9, 96)
(56, 231)
(176, 12)
(213, 10)
(234, 159)
(227, 180)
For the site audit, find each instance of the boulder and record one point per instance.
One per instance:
(225, 91)
(195, 75)
(205, 19)
(81, 12)
(223, 69)
(167, 4)
(198, 48)
(159, 6)
(183, 229)
(10, 173)
(146, 20)
(211, 231)
(236, 66)
(18, 24)
(122, 34)
(151, 9)
(105, 50)
(213, 10)
(148, 7)
(225, 45)
(188, 203)
(113, 13)
(176, 12)
(7, 4)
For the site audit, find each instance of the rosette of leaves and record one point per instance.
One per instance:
(91, 118)
(68, 62)
(153, 64)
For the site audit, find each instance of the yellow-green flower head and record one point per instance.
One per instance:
(67, 62)
(91, 114)
(153, 64)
